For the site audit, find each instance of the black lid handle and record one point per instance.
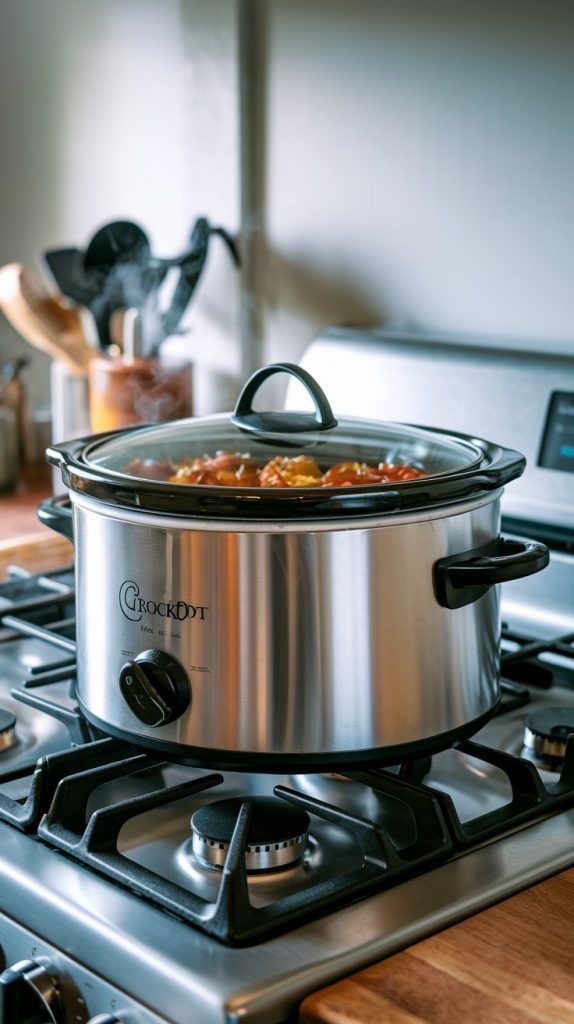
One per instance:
(247, 419)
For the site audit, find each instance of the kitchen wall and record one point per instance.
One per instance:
(387, 160)
(419, 162)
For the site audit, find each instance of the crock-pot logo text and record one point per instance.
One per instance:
(134, 606)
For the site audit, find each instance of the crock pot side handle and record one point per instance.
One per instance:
(461, 579)
(56, 513)
(246, 418)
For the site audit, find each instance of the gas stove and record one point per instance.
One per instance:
(142, 890)
(138, 891)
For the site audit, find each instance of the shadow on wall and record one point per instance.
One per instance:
(298, 290)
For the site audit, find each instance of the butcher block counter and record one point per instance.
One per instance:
(510, 964)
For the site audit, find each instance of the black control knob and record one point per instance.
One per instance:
(155, 687)
(29, 995)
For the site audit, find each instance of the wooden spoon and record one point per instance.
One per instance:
(41, 320)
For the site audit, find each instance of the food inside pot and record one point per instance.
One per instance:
(232, 469)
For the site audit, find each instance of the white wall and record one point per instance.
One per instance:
(420, 168)
(418, 159)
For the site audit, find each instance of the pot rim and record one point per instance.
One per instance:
(495, 467)
(210, 524)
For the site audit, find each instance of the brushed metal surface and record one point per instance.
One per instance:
(542, 747)
(453, 384)
(279, 855)
(543, 605)
(295, 641)
(85, 997)
(35, 734)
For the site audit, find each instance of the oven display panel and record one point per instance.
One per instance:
(557, 448)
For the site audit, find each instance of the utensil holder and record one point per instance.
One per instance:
(124, 393)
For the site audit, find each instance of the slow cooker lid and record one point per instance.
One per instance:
(134, 454)
(145, 467)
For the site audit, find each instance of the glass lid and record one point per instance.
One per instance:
(281, 450)
(283, 465)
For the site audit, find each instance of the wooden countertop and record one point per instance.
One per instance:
(23, 538)
(511, 964)
(18, 508)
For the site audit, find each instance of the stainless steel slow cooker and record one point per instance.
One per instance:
(289, 627)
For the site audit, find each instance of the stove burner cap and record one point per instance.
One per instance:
(276, 838)
(545, 734)
(7, 729)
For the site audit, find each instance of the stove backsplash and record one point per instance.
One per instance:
(516, 399)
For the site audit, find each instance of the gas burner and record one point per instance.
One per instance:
(276, 838)
(7, 730)
(546, 731)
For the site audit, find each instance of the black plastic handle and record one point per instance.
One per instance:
(461, 579)
(282, 422)
(57, 514)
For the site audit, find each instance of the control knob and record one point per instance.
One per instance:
(155, 687)
(29, 995)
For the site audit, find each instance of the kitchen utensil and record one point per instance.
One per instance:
(117, 259)
(119, 241)
(276, 626)
(143, 274)
(131, 334)
(117, 329)
(191, 266)
(109, 276)
(65, 270)
(117, 271)
(62, 271)
(40, 319)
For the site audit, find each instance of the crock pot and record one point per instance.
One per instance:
(299, 628)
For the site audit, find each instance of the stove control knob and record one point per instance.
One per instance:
(28, 993)
(155, 687)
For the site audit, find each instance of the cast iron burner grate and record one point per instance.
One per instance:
(65, 787)
(59, 793)
(232, 918)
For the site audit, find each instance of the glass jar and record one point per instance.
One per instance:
(124, 393)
